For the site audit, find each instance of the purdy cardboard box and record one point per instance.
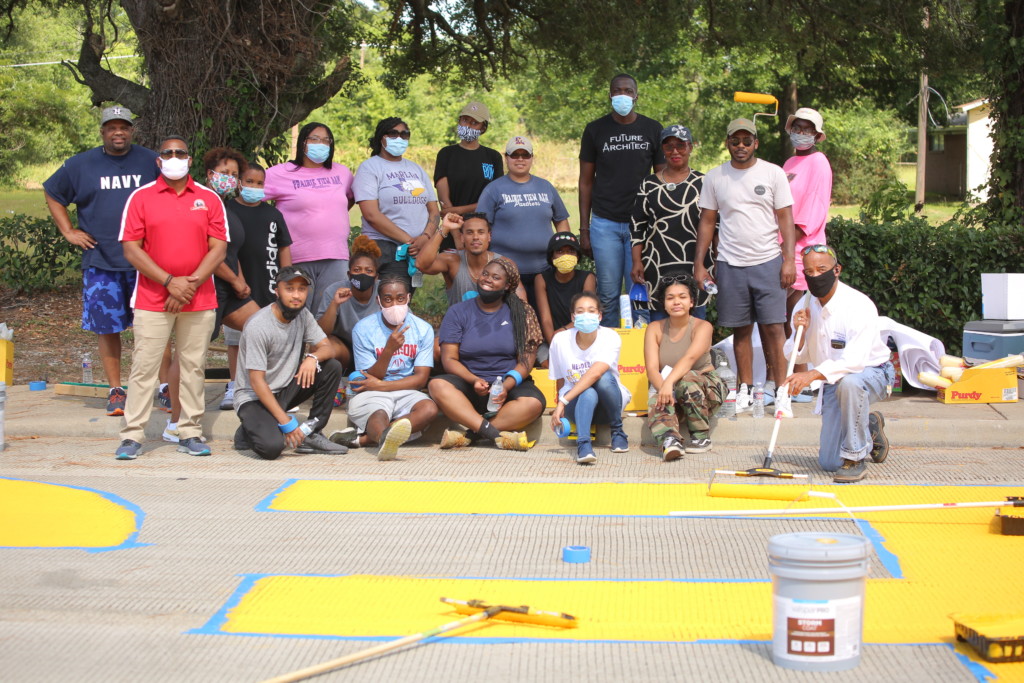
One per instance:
(982, 385)
(7, 361)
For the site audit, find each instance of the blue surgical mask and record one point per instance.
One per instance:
(622, 104)
(253, 195)
(801, 141)
(396, 146)
(586, 322)
(318, 153)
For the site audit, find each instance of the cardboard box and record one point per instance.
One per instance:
(632, 372)
(7, 361)
(982, 385)
(1002, 296)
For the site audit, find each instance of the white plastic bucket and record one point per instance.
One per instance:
(818, 595)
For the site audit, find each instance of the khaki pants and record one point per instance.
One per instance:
(192, 332)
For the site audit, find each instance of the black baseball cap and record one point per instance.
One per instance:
(560, 240)
(291, 272)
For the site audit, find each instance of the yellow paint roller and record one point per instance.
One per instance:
(772, 492)
(755, 98)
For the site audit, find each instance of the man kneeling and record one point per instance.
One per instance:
(394, 351)
(843, 341)
(278, 376)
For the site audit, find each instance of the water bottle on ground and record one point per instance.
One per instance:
(757, 410)
(710, 287)
(308, 426)
(86, 368)
(496, 390)
(728, 409)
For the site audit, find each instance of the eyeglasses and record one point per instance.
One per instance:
(388, 300)
(819, 249)
(742, 142)
(317, 140)
(520, 155)
(168, 153)
(393, 134)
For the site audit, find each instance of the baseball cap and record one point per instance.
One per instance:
(291, 272)
(807, 114)
(518, 142)
(677, 131)
(476, 110)
(560, 240)
(737, 125)
(117, 113)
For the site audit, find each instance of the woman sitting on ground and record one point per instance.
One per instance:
(585, 364)
(677, 351)
(477, 348)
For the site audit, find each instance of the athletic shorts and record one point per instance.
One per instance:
(525, 390)
(750, 294)
(232, 337)
(363, 404)
(107, 300)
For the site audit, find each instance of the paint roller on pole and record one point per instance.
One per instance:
(757, 98)
(1011, 501)
(478, 611)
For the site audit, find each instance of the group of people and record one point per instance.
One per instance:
(301, 307)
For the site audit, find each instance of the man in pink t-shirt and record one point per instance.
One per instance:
(174, 233)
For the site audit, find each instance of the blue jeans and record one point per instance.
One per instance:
(844, 415)
(613, 257)
(603, 395)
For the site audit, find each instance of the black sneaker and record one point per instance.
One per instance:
(879, 441)
(347, 437)
(698, 446)
(851, 472)
(671, 449)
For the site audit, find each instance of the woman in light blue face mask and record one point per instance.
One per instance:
(396, 198)
(314, 194)
(584, 362)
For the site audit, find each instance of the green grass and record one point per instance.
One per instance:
(29, 202)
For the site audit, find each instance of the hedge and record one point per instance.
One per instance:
(34, 256)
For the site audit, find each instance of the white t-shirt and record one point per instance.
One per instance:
(746, 200)
(569, 362)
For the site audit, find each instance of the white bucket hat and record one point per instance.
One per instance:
(807, 114)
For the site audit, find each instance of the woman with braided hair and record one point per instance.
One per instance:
(492, 336)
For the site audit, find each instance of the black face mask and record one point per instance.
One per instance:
(489, 296)
(362, 282)
(821, 285)
(289, 314)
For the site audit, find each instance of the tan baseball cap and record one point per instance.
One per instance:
(477, 110)
(737, 125)
(518, 142)
(807, 114)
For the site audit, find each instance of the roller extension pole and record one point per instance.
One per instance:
(863, 508)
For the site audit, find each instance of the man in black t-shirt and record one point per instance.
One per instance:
(617, 151)
(463, 170)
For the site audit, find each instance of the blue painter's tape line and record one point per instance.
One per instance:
(130, 542)
(976, 669)
(885, 556)
(576, 554)
(264, 505)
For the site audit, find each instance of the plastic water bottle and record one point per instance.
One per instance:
(86, 368)
(710, 287)
(728, 409)
(3, 406)
(625, 312)
(496, 390)
(757, 410)
(308, 426)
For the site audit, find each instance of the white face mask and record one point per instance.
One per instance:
(175, 168)
(395, 315)
(802, 141)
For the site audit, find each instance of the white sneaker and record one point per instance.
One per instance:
(784, 405)
(743, 399)
(228, 402)
(171, 433)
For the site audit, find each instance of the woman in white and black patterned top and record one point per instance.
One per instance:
(665, 218)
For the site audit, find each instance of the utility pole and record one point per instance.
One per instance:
(922, 133)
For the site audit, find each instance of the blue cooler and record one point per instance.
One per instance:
(993, 339)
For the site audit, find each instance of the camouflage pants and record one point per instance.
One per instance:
(698, 396)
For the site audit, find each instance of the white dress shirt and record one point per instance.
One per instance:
(844, 335)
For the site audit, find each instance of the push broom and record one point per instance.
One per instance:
(477, 610)
(766, 469)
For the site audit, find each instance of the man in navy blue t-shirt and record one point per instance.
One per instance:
(99, 182)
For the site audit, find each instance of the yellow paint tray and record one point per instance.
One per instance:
(1003, 637)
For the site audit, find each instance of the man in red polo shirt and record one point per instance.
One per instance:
(174, 232)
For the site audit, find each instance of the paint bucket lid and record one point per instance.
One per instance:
(818, 547)
(37, 386)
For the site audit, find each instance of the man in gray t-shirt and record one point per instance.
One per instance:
(277, 376)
